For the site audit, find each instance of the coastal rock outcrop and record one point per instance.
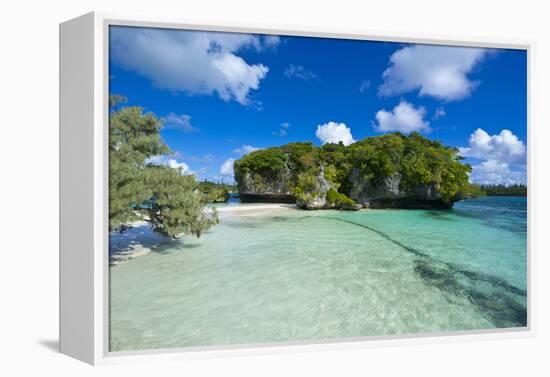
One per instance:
(255, 187)
(316, 198)
(387, 192)
(387, 171)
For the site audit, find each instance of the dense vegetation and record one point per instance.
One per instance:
(415, 158)
(339, 200)
(215, 192)
(169, 201)
(502, 190)
(472, 191)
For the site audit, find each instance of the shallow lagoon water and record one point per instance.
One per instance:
(315, 275)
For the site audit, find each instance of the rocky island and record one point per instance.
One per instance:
(388, 171)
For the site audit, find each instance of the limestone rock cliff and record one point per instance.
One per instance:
(317, 197)
(386, 171)
(268, 188)
(387, 192)
(383, 193)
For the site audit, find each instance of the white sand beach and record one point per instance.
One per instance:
(253, 209)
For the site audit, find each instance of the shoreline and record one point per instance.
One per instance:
(139, 239)
(254, 209)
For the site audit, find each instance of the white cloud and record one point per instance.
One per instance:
(226, 169)
(493, 172)
(283, 130)
(504, 155)
(436, 71)
(403, 118)
(504, 147)
(246, 149)
(299, 72)
(271, 40)
(164, 160)
(179, 122)
(193, 62)
(334, 133)
(365, 86)
(439, 113)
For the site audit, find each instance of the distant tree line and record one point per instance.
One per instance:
(504, 190)
(216, 192)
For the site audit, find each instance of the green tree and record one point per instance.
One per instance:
(176, 205)
(137, 190)
(133, 137)
(214, 192)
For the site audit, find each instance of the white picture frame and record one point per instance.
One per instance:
(84, 300)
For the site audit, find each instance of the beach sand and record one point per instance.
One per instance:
(253, 209)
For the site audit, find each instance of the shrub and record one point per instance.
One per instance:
(340, 200)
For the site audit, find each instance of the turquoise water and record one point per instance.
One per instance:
(314, 275)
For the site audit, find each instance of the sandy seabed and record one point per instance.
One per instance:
(140, 239)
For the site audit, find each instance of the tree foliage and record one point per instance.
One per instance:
(133, 137)
(470, 191)
(215, 192)
(176, 205)
(169, 201)
(339, 199)
(418, 161)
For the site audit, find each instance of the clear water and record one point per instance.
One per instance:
(301, 275)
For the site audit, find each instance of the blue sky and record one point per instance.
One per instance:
(225, 94)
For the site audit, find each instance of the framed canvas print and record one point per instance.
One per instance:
(230, 189)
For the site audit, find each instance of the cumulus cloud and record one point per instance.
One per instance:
(504, 147)
(197, 63)
(492, 172)
(504, 157)
(163, 160)
(403, 118)
(437, 71)
(246, 149)
(299, 72)
(334, 133)
(226, 170)
(179, 122)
